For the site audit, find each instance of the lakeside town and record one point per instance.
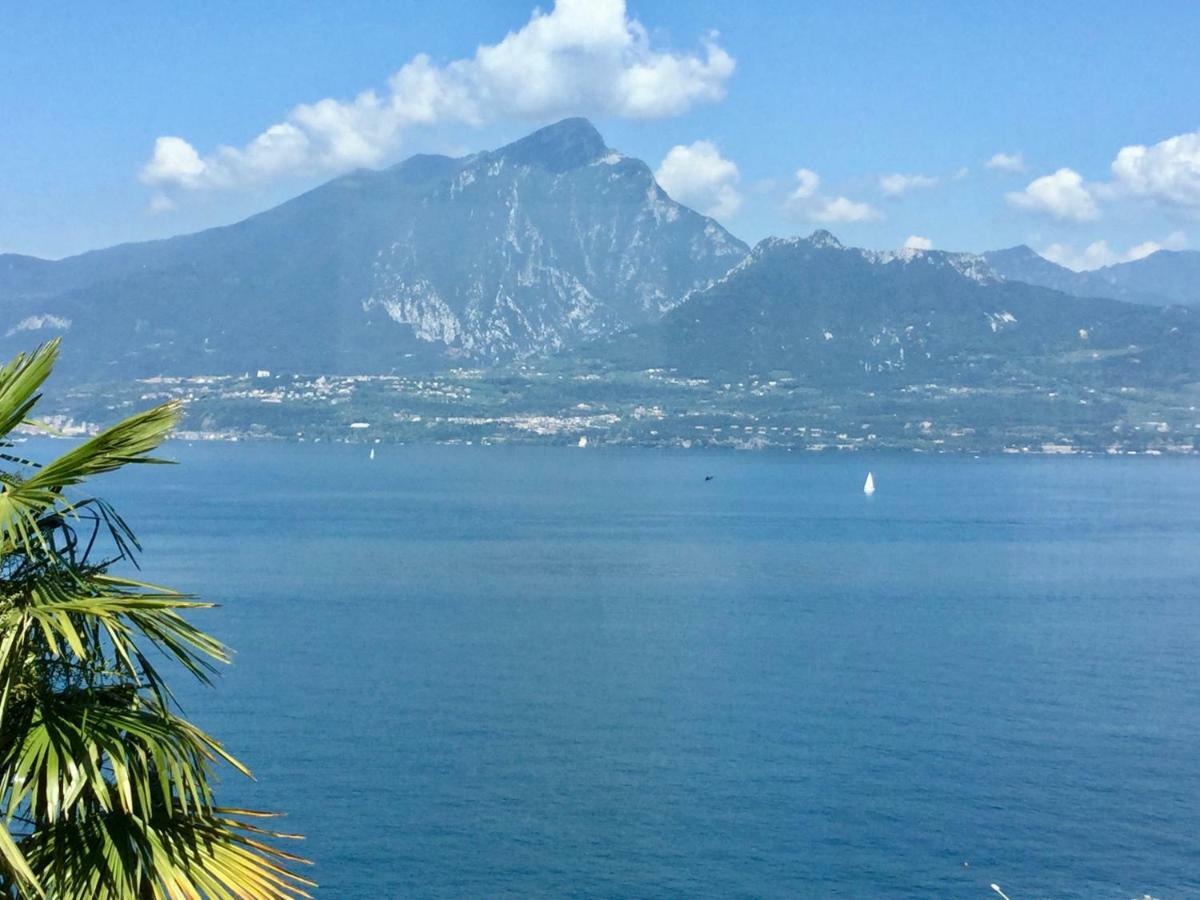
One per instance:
(653, 408)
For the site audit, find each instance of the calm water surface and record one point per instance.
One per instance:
(531, 672)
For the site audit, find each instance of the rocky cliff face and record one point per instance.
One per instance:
(541, 244)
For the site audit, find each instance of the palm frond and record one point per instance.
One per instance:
(103, 745)
(126, 442)
(125, 857)
(23, 501)
(77, 612)
(15, 869)
(19, 383)
(105, 790)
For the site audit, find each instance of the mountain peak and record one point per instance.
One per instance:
(560, 147)
(1021, 250)
(823, 238)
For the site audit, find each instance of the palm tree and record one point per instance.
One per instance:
(106, 791)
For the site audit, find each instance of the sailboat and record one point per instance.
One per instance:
(869, 485)
(371, 455)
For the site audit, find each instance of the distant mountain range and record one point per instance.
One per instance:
(557, 245)
(1162, 278)
(542, 244)
(828, 315)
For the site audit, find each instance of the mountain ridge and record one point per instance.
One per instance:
(830, 315)
(548, 241)
(1163, 278)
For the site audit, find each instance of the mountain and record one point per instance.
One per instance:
(1162, 278)
(542, 244)
(834, 316)
(1173, 274)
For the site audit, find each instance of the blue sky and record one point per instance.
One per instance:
(875, 120)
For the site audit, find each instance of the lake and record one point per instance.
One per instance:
(492, 672)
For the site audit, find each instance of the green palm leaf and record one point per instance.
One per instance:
(24, 501)
(122, 856)
(105, 790)
(19, 382)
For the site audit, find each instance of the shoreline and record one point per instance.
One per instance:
(596, 443)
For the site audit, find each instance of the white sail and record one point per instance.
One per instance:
(869, 484)
(371, 455)
(583, 441)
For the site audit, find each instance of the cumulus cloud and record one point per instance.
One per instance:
(1099, 253)
(1093, 256)
(916, 242)
(806, 201)
(899, 184)
(1174, 241)
(1062, 195)
(1167, 172)
(807, 183)
(1005, 162)
(699, 176)
(174, 160)
(842, 209)
(581, 57)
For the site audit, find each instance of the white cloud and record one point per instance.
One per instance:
(174, 161)
(842, 209)
(38, 322)
(807, 182)
(916, 242)
(160, 203)
(1093, 256)
(699, 176)
(1174, 241)
(1099, 253)
(1062, 195)
(899, 184)
(582, 57)
(806, 201)
(1005, 162)
(1167, 172)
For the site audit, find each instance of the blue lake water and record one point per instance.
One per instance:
(536, 672)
